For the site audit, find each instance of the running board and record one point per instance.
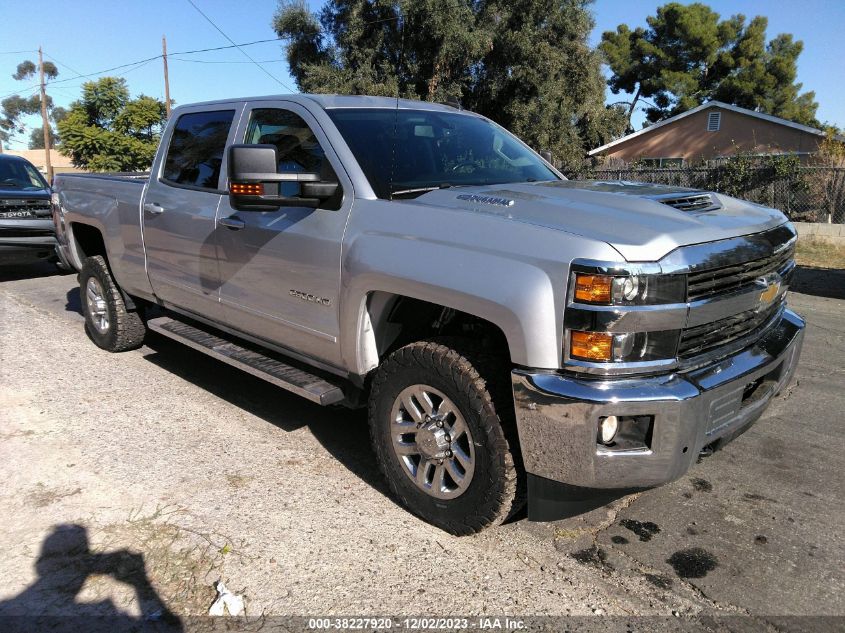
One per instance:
(274, 371)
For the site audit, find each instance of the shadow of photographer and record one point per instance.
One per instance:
(63, 566)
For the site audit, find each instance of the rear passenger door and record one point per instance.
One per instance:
(180, 207)
(280, 270)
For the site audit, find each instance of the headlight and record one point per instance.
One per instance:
(628, 347)
(629, 289)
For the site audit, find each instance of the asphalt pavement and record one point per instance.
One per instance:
(134, 481)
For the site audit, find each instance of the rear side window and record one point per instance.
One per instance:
(196, 149)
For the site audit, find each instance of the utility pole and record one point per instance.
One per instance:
(166, 80)
(44, 120)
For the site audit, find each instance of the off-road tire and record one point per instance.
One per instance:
(126, 329)
(478, 383)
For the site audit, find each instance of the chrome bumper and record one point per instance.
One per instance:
(558, 415)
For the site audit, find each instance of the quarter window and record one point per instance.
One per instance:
(196, 149)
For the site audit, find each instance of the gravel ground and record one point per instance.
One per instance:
(134, 481)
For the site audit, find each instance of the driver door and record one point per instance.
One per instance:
(280, 270)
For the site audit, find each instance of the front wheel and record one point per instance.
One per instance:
(109, 324)
(440, 430)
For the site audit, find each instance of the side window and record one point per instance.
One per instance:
(297, 148)
(196, 149)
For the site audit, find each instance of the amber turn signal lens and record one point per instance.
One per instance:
(593, 288)
(246, 189)
(591, 345)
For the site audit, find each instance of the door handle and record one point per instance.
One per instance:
(233, 222)
(154, 208)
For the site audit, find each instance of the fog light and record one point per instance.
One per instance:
(607, 429)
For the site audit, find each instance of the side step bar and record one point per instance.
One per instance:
(280, 374)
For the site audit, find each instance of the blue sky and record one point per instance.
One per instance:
(92, 35)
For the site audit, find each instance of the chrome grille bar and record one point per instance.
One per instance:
(697, 340)
(716, 281)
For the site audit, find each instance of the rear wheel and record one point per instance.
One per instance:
(438, 428)
(109, 324)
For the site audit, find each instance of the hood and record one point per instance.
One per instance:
(13, 193)
(637, 219)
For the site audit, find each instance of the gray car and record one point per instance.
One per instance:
(513, 334)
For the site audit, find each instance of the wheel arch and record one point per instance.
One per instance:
(389, 320)
(85, 240)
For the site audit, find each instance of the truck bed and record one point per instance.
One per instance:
(103, 201)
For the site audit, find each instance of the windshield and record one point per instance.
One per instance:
(433, 150)
(17, 174)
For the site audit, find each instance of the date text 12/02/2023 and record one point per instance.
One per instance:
(417, 623)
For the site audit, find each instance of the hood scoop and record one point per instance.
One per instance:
(698, 202)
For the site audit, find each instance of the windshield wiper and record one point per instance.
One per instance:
(418, 190)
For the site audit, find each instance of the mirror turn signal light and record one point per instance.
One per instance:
(591, 345)
(246, 189)
(593, 288)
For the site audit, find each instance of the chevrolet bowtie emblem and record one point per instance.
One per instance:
(772, 284)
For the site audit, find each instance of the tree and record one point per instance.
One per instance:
(14, 108)
(687, 56)
(105, 130)
(36, 135)
(525, 64)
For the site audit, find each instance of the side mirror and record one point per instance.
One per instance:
(254, 184)
(546, 155)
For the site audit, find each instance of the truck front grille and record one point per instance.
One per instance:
(704, 338)
(718, 281)
(23, 209)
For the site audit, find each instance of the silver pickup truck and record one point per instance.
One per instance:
(514, 335)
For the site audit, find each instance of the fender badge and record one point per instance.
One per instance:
(305, 296)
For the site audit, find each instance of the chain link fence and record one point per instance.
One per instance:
(806, 194)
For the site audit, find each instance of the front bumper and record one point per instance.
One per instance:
(26, 240)
(558, 415)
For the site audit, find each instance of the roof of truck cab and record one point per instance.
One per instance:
(332, 102)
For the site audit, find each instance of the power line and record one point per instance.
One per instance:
(73, 70)
(126, 72)
(220, 48)
(140, 61)
(231, 41)
(108, 70)
(208, 61)
(132, 66)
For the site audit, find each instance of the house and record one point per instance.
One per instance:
(61, 164)
(711, 131)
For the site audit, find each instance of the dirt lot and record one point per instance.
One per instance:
(132, 482)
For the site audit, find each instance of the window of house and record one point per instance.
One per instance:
(714, 121)
(196, 149)
(662, 163)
